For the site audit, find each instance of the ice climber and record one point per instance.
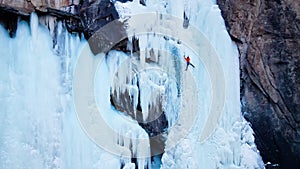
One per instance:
(188, 62)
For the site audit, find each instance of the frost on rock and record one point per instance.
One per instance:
(250, 155)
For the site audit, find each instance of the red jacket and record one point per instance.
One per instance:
(187, 59)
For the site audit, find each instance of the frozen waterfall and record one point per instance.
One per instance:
(126, 93)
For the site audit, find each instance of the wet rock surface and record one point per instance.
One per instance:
(268, 38)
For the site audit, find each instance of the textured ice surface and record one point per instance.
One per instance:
(38, 123)
(227, 147)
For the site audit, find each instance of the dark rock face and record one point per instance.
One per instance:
(96, 14)
(25, 7)
(81, 16)
(11, 24)
(143, 2)
(268, 38)
(85, 16)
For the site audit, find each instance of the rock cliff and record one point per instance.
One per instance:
(85, 16)
(268, 37)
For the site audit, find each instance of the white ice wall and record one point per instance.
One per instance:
(226, 148)
(38, 124)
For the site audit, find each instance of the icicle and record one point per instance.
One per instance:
(143, 49)
(134, 93)
(34, 23)
(145, 94)
(143, 152)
